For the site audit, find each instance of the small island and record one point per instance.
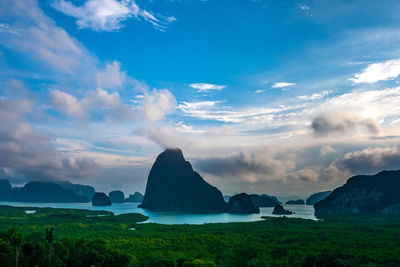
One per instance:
(279, 210)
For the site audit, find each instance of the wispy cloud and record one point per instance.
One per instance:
(315, 96)
(381, 71)
(206, 87)
(282, 85)
(108, 15)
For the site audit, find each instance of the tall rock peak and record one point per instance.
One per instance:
(173, 185)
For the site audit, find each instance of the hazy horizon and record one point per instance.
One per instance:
(286, 98)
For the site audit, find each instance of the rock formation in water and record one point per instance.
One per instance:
(264, 200)
(78, 189)
(279, 210)
(295, 202)
(5, 190)
(45, 192)
(364, 194)
(116, 196)
(172, 185)
(100, 199)
(314, 198)
(242, 204)
(136, 197)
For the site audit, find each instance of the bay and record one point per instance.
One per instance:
(164, 217)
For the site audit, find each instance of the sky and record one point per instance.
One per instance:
(262, 96)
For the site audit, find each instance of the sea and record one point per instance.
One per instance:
(164, 217)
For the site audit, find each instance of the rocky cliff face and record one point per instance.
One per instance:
(314, 198)
(101, 199)
(136, 197)
(242, 204)
(364, 194)
(264, 200)
(116, 196)
(173, 185)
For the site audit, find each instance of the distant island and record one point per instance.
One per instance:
(364, 194)
(279, 210)
(295, 202)
(45, 192)
(136, 197)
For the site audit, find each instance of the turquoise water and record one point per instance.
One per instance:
(301, 211)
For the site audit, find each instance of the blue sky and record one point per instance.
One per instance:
(278, 97)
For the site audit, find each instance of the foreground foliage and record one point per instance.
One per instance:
(61, 237)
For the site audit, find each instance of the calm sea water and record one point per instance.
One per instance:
(301, 211)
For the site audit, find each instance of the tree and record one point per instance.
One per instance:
(15, 238)
(49, 240)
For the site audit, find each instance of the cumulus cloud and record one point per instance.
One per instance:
(67, 104)
(282, 85)
(206, 87)
(111, 77)
(108, 15)
(95, 100)
(157, 104)
(381, 71)
(370, 160)
(336, 123)
(164, 136)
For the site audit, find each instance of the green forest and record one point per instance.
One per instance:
(65, 237)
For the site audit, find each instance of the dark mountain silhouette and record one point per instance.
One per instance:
(279, 210)
(136, 197)
(5, 190)
(100, 199)
(242, 204)
(45, 192)
(314, 198)
(295, 202)
(116, 196)
(78, 189)
(364, 194)
(264, 200)
(173, 185)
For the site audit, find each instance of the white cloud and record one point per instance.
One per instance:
(164, 136)
(108, 15)
(157, 104)
(109, 104)
(282, 85)
(112, 77)
(375, 72)
(304, 7)
(67, 104)
(205, 87)
(315, 96)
